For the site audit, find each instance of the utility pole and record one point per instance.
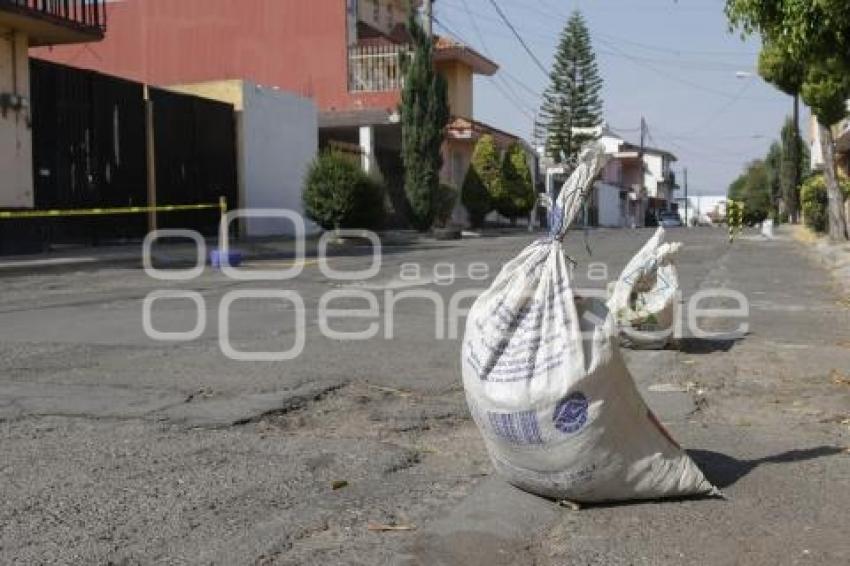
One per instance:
(687, 202)
(642, 221)
(428, 16)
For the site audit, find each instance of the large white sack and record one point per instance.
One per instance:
(559, 412)
(645, 295)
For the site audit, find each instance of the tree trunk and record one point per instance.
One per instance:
(835, 206)
(793, 203)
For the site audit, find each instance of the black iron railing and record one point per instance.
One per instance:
(82, 13)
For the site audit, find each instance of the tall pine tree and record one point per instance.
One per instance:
(424, 114)
(572, 99)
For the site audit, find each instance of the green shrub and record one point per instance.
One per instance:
(444, 204)
(518, 197)
(338, 194)
(813, 199)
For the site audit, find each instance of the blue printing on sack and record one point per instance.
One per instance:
(556, 220)
(518, 428)
(571, 413)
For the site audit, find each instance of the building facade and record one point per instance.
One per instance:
(25, 24)
(345, 55)
(636, 185)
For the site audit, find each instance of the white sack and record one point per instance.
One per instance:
(645, 295)
(559, 412)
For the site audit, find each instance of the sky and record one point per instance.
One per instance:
(674, 62)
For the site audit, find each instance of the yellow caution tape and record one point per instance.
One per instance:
(106, 211)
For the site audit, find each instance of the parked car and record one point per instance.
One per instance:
(669, 219)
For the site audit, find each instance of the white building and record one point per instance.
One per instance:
(276, 139)
(704, 209)
(635, 182)
(643, 176)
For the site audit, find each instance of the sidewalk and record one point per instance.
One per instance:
(183, 254)
(835, 256)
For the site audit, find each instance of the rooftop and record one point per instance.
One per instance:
(630, 147)
(448, 48)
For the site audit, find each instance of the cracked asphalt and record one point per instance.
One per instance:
(118, 449)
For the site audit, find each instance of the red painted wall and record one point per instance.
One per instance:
(297, 45)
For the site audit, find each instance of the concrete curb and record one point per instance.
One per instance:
(180, 254)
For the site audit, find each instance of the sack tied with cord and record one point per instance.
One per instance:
(645, 296)
(546, 384)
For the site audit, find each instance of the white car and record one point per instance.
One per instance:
(669, 220)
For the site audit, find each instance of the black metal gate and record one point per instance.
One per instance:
(90, 151)
(195, 150)
(88, 133)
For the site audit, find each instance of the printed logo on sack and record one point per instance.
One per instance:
(556, 219)
(571, 413)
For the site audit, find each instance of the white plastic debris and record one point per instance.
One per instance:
(645, 295)
(547, 386)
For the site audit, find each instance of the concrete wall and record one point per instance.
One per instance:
(608, 202)
(281, 138)
(16, 184)
(277, 139)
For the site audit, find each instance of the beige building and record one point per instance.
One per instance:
(25, 24)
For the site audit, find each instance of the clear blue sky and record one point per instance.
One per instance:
(674, 62)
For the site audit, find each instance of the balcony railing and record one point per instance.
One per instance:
(79, 13)
(375, 68)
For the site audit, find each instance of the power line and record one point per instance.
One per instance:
(723, 108)
(476, 28)
(672, 77)
(670, 50)
(480, 36)
(487, 51)
(690, 65)
(617, 130)
(519, 38)
(513, 99)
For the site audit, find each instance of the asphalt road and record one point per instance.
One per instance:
(117, 448)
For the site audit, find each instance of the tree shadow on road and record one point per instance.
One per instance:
(723, 470)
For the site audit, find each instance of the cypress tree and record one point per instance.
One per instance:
(475, 198)
(424, 114)
(572, 99)
(519, 196)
